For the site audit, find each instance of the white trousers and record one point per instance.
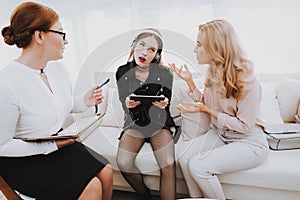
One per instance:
(206, 156)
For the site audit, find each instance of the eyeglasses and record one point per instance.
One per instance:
(59, 32)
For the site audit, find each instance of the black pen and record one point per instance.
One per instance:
(99, 86)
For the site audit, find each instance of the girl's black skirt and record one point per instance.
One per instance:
(62, 174)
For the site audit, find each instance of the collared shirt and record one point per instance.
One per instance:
(238, 115)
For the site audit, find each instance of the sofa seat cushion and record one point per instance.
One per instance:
(279, 171)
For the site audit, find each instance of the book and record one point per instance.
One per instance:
(286, 128)
(78, 130)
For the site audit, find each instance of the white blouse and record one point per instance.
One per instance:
(29, 109)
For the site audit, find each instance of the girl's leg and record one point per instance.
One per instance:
(227, 158)
(129, 145)
(163, 147)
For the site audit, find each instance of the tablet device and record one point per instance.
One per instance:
(146, 98)
(76, 130)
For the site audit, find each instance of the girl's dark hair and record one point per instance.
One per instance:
(25, 19)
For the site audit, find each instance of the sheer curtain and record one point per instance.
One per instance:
(268, 29)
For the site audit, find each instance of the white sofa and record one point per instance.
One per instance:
(277, 178)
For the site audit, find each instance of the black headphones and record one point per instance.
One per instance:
(154, 32)
(157, 56)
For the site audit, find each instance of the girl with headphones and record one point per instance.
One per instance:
(145, 120)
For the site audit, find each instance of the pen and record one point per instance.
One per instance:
(99, 86)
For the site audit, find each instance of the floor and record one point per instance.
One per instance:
(123, 195)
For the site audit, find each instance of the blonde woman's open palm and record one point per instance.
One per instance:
(183, 72)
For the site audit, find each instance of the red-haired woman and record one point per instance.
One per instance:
(36, 98)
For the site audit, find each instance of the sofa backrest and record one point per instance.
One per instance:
(280, 101)
(281, 96)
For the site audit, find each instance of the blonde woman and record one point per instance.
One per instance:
(232, 98)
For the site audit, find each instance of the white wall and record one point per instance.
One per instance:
(268, 29)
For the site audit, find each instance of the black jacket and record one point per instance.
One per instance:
(159, 82)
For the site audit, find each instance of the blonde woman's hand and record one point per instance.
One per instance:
(197, 107)
(131, 103)
(192, 107)
(183, 72)
(185, 75)
(161, 104)
(93, 96)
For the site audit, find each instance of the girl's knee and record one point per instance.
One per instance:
(124, 164)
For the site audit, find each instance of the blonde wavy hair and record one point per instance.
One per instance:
(221, 44)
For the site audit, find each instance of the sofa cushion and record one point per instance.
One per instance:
(297, 116)
(193, 124)
(179, 94)
(279, 171)
(114, 115)
(269, 105)
(288, 95)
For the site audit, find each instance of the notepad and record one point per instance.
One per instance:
(282, 128)
(78, 130)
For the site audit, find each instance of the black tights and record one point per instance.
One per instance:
(163, 147)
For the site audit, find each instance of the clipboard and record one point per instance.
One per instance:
(82, 126)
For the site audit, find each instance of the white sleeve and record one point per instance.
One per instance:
(8, 121)
(78, 100)
(79, 104)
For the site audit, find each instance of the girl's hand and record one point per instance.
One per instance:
(183, 74)
(93, 96)
(64, 142)
(161, 104)
(131, 103)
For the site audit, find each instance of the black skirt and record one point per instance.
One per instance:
(62, 174)
(146, 131)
